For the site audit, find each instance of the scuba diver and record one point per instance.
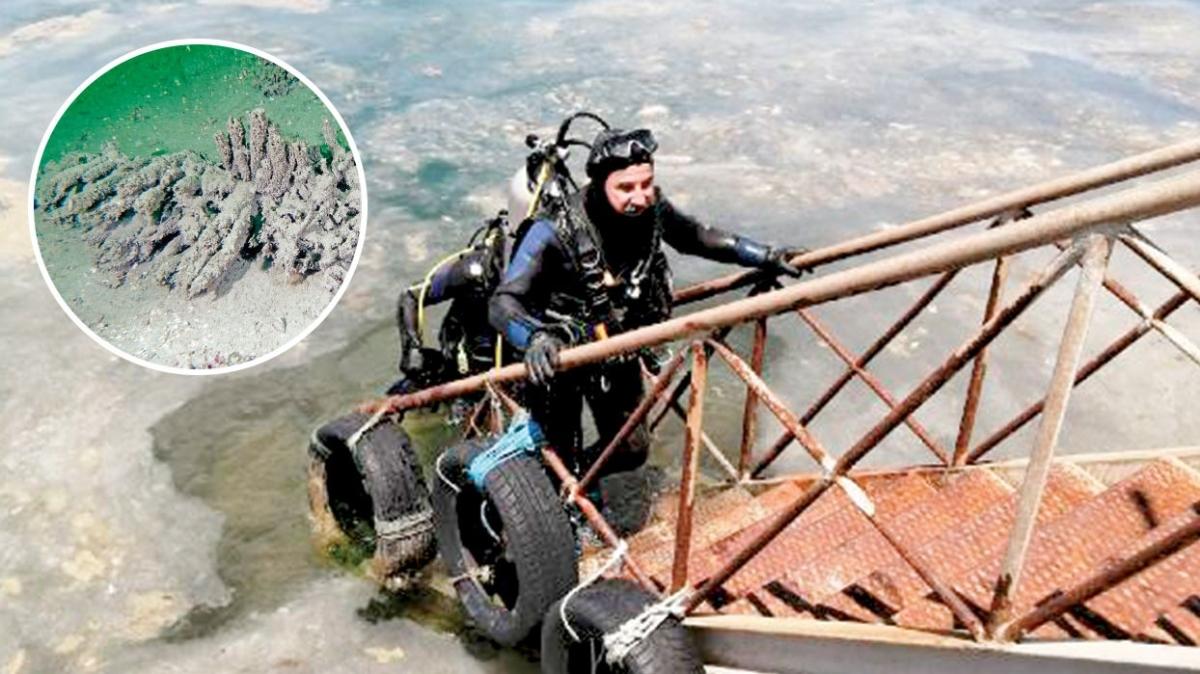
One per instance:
(591, 263)
(468, 344)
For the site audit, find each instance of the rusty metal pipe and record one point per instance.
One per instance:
(680, 386)
(851, 457)
(1181, 342)
(946, 593)
(1134, 204)
(968, 350)
(1088, 369)
(691, 464)
(716, 453)
(871, 381)
(639, 413)
(593, 516)
(979, 370)
(1037, 471)
(880, 344)
(670, 400)
(1172, 335)
(774, 404)
(766, 283)
(944, 372)
(1113, 572)
(785, 439)
(1076, 183)
(1162, 263)
(711, 447)
(750, 410)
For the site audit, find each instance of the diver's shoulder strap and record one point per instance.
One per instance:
(582, 243)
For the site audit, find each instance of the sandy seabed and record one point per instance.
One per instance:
(251, 313)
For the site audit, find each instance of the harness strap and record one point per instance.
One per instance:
(581, 240)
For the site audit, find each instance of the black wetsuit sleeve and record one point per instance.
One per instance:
(525, 285)
(447, 282)
(690, 237)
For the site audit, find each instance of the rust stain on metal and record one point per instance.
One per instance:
(691, 464)
(1078, 563)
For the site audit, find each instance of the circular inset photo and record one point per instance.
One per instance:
(198, 206)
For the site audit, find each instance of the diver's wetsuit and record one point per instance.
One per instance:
(543, 286)
(466, 339)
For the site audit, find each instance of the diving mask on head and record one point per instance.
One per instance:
(614, 149)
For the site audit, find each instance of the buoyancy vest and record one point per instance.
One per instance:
(618, 301)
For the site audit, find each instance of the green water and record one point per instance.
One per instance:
(241, 447)
(176, 98)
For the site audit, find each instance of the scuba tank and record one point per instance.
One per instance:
(544, 186)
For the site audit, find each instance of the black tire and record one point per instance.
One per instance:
(379, 482)
(602, 608)
(533, 560)
(629, 498)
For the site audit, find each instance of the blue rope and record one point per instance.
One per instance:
(522, 437)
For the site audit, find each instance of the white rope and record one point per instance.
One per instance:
(480, 574)
(618, 553)
(437, 468)
(487, 525)
(404, 526)
(353, 440)
(620, 642)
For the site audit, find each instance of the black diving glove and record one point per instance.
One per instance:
(778, 260)
(542, 357)
(412, 361)
(421, 365)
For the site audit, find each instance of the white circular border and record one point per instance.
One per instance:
(362, 226)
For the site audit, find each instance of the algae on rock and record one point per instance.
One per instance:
(187, 221)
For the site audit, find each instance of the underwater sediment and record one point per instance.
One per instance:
(185, 221)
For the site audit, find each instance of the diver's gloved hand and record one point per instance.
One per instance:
(778, 257)
(420, 362)
(412, 360)
(542, 356)
(420, 367)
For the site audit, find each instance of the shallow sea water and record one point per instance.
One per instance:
(150, 497)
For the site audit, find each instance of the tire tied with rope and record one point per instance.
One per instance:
(365, 483)
(509, 548)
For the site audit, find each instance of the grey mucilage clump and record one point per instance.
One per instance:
(186, 222)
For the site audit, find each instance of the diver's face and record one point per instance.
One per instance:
(630, 190)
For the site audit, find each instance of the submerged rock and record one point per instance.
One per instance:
(191, 220)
